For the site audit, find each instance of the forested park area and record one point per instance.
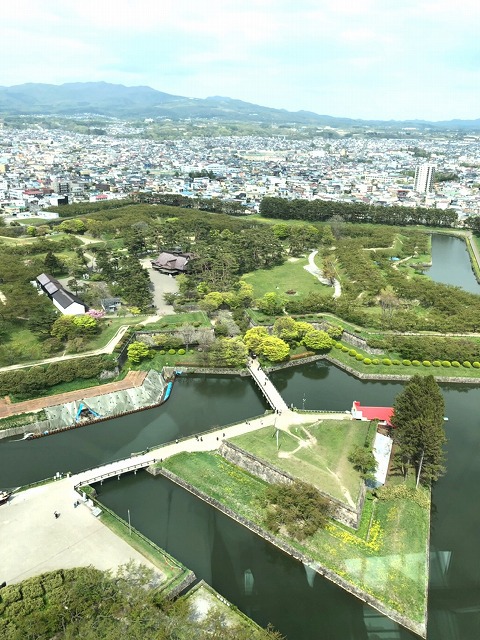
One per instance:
(242, 270)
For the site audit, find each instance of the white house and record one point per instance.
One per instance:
(66, 302)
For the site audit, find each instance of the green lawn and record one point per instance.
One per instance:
(316, 454)
(290, 276)
(387, 558)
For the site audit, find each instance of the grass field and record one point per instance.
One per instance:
(290, 276)
(317, 454)
(387, 558)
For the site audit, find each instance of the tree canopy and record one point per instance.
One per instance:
(418, 418)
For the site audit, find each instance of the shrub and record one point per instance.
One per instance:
(352, 352)
(171, 352)
(406, 363)
(427, 363)
(446, 363)
(476, 365)
(338, 345)
(396, 362)
(386, 361)
(375, 361)
(367, 361)
(344, 348)
(437, 363)
(467, 364)
(416, 363)
(359, 357)
(455, 363)
(181, 352)
(162, 352)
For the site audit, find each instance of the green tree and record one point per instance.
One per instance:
(64, 328)
(137, 351)
(72, 226)
(286, 328)
(363, 461)
(85, 325)
(52, 264)
(274, 349)
(318, 340)
(418, 418)
(254, 337)
(271, 304)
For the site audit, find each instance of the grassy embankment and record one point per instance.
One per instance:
(386, 558)
(315, 453)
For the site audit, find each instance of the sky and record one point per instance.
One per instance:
(370, 59)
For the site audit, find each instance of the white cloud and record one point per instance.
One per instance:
(313, 54)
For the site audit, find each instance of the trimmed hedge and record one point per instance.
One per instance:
(446, 363)
(406, 363)
(416, 363)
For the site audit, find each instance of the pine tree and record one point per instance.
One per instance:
(418, 420)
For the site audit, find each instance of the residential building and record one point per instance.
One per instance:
(424, 175)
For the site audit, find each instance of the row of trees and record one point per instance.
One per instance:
(320, 210)
(40, 378)
(418, 418)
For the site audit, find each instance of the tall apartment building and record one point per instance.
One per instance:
(424, 175)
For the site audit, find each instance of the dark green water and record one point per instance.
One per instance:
(451, 263)
(226, 555)
(196, 404)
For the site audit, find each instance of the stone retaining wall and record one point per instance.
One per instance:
(356, 341)
(416, 627)
(187, 581)
(273, 475)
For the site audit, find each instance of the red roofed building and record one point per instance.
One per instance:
(383, 414)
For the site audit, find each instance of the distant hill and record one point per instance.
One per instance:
(116, 100)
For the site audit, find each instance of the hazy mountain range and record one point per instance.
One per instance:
(116, 100)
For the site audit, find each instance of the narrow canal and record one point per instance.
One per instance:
(196, 404)
(451, 263)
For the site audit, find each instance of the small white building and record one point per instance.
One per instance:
(66, 302)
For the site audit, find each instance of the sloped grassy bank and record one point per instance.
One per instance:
(384, 563)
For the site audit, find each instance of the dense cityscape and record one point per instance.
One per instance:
(43, 167)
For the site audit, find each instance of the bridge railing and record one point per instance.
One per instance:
(113, 472)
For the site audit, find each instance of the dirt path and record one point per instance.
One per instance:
(312, 268)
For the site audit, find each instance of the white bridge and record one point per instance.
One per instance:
(270, 392)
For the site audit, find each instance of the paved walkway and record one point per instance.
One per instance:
(270, 392)
(33, 541)
(131, 380)
(312, 268)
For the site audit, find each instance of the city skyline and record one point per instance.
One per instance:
(351, 59)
